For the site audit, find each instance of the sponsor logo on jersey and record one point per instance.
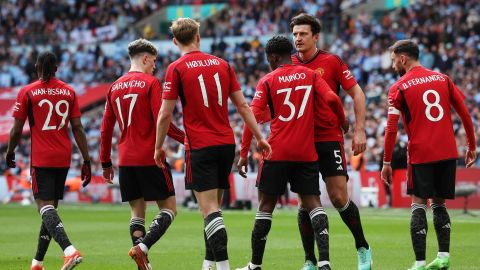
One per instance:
(167, 86)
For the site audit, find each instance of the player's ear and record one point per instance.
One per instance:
(198, 37)
(175, 41)
(316, 36)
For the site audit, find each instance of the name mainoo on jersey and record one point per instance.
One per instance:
(202, 63)
(291, 77)
(422, 80)
(51, 91)
(128, 84)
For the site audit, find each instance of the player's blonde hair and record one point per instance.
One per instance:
(141, 45)
(185, 30)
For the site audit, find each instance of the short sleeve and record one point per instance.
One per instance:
(260, 100)
(172, 83)
(155, 98)
(346, 78)
(20, 110)
(76, 108)
(234, 85)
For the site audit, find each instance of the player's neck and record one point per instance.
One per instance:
(189, 48)
(136, 68)
(412, 65)
(306, 56)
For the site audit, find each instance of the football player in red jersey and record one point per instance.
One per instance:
(329, 137)
(291, 92)
(50, 104)
(424, 98)
(133, 102)
(204, 83)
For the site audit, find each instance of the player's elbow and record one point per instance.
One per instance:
(165, 117)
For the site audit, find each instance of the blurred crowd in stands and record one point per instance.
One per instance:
(448, 33)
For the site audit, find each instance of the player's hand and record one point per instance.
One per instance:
(10, 159)
(160, 157)
(346, 127)
(242, 167)
(387, 174)
(265, 147)
(359, 143)
(108, 175)
(86, 175)
(470, 158)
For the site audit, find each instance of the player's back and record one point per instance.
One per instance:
(289, 91)
(203, 82)
(424, 98)
(135, 99)
(49, 107)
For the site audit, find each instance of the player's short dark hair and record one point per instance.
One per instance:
(279, 45)
(406, 46)
(185, 30)
(304, 18)
(46, 65)
(141, 46)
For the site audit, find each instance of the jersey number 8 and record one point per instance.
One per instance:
(436, 104)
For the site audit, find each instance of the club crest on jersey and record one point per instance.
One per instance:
(320, 71)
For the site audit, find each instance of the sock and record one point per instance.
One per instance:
(263, 223)
(69, 250)
(441, 222)
(323, 265)
(208, 263)
(420, 263)
(54, 226)
(217, 236)
(158, 227)
(37, 262)
(320, 227)
(209, 257)
(137, 224)
(43, 242)
(223, 265)
(307, 235)
(254, 266)
(443, 254)
(351, 218)
(418, 230)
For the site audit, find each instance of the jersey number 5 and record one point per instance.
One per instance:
(58, 106)
(287, 101)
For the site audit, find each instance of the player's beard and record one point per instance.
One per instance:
(401, 71)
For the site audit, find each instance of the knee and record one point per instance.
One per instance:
(338, 199)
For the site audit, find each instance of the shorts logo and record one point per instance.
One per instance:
(422, 231)
(320, 71)
(340, 168)
(325, 231)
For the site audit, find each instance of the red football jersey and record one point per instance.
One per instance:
(290, 92)
(336, 73)
(49, 107)
(133, 102)
(424, 99)
(203, 82)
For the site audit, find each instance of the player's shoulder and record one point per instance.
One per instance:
(329, 56)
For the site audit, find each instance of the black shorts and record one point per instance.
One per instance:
(48, 184)
(331, 159)
(148, 182)
(209, 168)
(431, 180)
(302, 176)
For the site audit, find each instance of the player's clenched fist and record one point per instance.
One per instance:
(86, 174)
(242, 166)
(159, 157)
(266, 149)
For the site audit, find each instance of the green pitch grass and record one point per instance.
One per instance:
(100, 232)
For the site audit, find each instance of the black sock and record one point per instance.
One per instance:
(307, 235)
(208, 250)
(158, 227)
(418, 230)
(441, 222)
(54, 226)
(320, 227)
(263, 223)
(351, 217)
(43, 242)
(137, 225)
(217, 236)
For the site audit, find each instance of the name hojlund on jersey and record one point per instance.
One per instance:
(51, 92)
(202, 63)
(128, 84)
(422, 80)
